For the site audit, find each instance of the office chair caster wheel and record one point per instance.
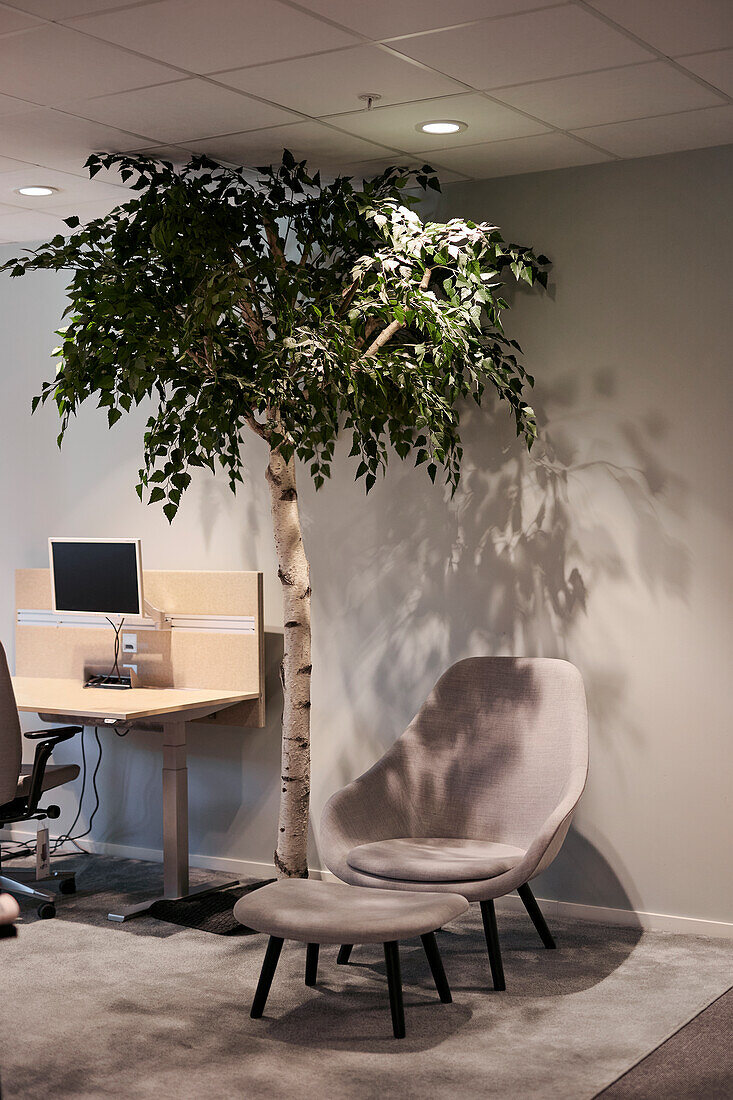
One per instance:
(67, 886)
(46, 910)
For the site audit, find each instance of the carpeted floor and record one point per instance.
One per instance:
(93, 1009)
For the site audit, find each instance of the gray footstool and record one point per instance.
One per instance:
(316, 912)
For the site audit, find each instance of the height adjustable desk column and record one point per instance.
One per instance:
(163, 710)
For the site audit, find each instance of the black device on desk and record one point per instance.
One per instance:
(99, 577)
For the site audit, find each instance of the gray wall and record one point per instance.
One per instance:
(611, 546)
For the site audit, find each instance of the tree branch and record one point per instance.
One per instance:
(394, 326)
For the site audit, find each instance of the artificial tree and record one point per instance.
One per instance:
(273, 302)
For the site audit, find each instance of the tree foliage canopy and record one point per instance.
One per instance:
(298, 308)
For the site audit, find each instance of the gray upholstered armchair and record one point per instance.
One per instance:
(476, 796)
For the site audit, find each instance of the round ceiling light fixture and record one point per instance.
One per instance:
(36, 192)
(442, 126)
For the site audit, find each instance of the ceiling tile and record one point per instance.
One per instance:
(387, 18)
(56, 140)
(9, 165)
(395, 126)
(528, 154)
(30, 226)
(610, 96)
(666, 134)
(59, 10)
(85, 211)
(70, 188)
(12, 20)
(53, 64)
(715, 67)
(219, 34)
(320, 145)
(368, 169)
(182, 111)
(11, 106)
(674, 26)
(300, 83)
(531, 46)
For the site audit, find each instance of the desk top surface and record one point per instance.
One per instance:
(70, 697)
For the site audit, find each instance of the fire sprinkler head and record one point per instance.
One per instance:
(370, 98)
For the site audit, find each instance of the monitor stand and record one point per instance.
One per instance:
(118, 683)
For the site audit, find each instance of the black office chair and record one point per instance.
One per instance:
(22, 785)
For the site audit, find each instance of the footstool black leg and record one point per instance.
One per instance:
(530, 904)
(272, 954)
(436, 967)
(311, 964)
(394, 981)
(491, 932)
(344, 953)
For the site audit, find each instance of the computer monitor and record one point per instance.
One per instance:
(96, 576)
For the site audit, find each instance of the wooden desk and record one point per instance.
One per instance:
(163, 710)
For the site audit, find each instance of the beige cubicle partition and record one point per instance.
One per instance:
(215, 639)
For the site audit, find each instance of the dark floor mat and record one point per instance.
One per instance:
(208, 912)
(695, 1062)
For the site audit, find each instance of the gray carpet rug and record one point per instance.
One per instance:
(93, 1009)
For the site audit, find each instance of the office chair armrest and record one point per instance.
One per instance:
(47, 741)
(63, 733)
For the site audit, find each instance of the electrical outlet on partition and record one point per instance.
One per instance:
(129, 643)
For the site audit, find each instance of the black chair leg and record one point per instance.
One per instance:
(530, 904)
(491, 932)
(344, 953)
(269, 965)
(436, 967)
(311, 964)
(394, 982)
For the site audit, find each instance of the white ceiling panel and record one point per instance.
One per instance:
(30, 225)
(532, 46)
(319, 144)
(7, 164)
(300, 83)
(65, 9)
(387, 18)
(13, 20)
(182, 111)
(667, 134)
(674, 26)
(70, 188)
(715, 67)
(87, 211)
(527, 154)
(367, 169)
(205, 36)
(395, 126)
(56, 140)
(610, 96)
(11, 106)
(53, 64)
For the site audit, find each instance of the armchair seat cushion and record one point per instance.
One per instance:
(55, 775)
(434, 859)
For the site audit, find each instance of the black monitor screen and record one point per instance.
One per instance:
(98, 577)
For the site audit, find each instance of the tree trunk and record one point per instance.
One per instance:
(291, 856)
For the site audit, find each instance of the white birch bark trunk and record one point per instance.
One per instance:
(291, 855)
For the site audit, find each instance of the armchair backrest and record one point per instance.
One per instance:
(11, 743)
(492, 752)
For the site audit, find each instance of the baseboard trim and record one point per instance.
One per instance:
(246, 868)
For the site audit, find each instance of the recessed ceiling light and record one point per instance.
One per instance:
(442, 126)
(36, 192)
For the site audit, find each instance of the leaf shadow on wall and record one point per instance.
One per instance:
(412, 581)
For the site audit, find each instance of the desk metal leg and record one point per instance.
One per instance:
(175, 828)
(175, 811)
